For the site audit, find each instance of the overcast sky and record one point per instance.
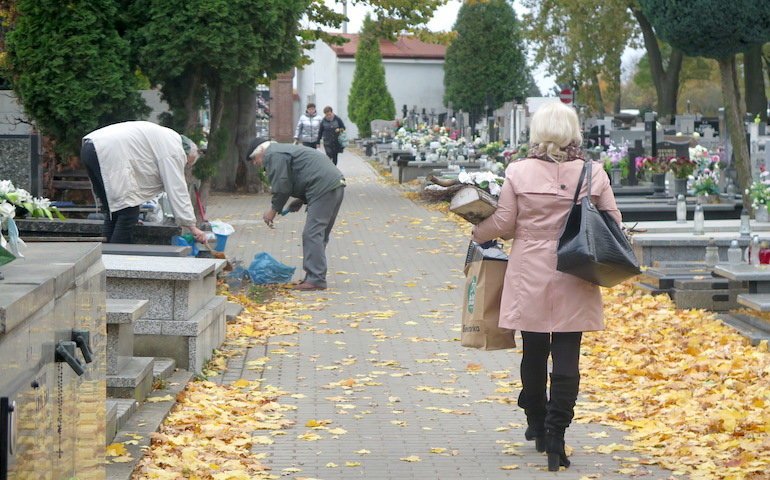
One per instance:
(444, 19)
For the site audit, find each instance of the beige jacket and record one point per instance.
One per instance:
(139, 160)
(533, 206)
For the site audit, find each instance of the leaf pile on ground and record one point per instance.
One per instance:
(691, 392)
(211, 432)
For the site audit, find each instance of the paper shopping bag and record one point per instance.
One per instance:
(481, 306)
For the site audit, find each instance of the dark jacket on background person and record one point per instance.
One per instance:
(299, 172)
(328, 131)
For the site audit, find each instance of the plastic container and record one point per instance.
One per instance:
(712, 253)
(221, 242)
(681, 209)
(734, 253)
(754, 251)
(698, 220)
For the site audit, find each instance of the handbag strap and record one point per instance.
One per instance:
(586, 170)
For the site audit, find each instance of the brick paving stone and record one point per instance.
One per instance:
(389, 254)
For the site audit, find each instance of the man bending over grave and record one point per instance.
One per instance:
(130, 163)
(308, 176)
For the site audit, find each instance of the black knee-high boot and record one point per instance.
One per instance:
(559, 414)
(533, 400)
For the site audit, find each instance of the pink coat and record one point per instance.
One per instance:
(534, 203)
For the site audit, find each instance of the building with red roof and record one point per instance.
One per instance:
(414, 73)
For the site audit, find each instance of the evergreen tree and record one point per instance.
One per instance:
(369, 98)
(70, 68)
(485, 65)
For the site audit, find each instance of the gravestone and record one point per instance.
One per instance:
(597, 136)
(382, 128)
(21, 162)
(767, 155)
(685, 124)
(629, 137)
(673, 149)
(708, 133)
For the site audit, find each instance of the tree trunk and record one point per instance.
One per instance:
(191, 102)
(754, 82)
(734, 119)
(618, 91)
(666, 81)
(596, 92)
(235, 128)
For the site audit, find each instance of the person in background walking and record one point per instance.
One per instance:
(331, 127)
(307, 127)
(306, 175)
(129, 163)
(550, 308)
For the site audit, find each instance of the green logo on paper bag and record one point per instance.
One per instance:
(472, 294)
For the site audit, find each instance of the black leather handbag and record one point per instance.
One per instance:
(592, 246)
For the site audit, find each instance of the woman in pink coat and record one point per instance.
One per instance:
(551, 309)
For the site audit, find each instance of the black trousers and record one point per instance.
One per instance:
(312, 145)
(563, 347)
(332, 153)
(117, 225)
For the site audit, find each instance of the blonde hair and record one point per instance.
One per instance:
(552, 128)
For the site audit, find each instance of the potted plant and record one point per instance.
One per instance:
(759, 192)
(615, 161)
(655, 169)
(706, 186)
(682, 168)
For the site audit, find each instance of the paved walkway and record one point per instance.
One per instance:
(378, 355)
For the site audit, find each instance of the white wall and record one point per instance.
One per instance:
(10, 113)
(410, 81)
(416, 82)
(319, 80)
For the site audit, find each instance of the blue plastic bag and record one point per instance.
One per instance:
(266, 269)
(181, 241)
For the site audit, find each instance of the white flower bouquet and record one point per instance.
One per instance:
(15, 201)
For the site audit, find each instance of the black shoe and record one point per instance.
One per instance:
(538, 435)
(554, 447)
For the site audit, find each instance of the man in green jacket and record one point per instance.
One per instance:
(308, 176)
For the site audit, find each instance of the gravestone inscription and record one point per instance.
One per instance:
(673, 150)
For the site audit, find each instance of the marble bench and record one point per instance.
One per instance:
(185, 319)
(127, 376)
(757, 298)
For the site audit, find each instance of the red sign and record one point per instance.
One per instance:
(566, 96)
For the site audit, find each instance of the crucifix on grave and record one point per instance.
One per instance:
(651, 127)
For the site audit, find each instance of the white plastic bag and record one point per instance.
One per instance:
(221, 228)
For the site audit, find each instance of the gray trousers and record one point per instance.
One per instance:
(321, 215)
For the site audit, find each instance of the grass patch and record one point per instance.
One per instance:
(260, 293)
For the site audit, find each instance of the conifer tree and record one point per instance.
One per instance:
(70, 68)
(369, 98)
(485, 65)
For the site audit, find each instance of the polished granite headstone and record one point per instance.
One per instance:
(60, 416)
(20, 162)
(148, 233)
